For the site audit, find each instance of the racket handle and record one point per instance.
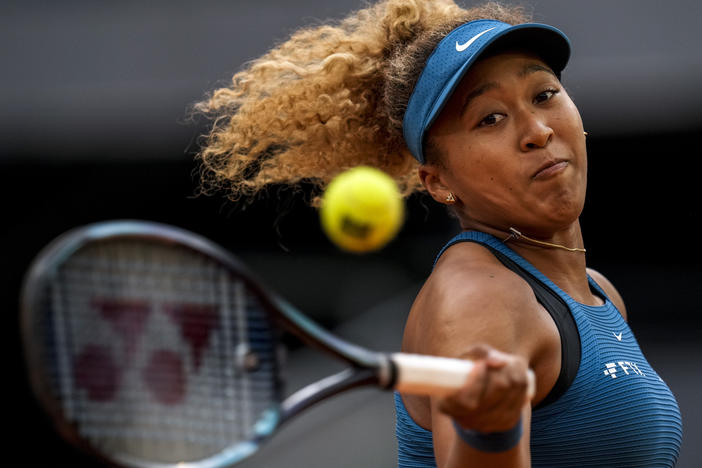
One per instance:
(432, 375)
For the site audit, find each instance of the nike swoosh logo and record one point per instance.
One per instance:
(618, 337)
(462, 47)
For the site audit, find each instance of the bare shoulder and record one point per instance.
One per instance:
(469, 298)
(609, 289)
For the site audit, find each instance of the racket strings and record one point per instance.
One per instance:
(158, 352)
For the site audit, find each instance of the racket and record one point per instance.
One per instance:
(152, 347)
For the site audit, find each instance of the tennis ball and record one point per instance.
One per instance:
(362, 209)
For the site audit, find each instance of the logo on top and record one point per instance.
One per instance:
(462, 47)
(629, 368)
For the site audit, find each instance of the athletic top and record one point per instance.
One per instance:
(616, 411)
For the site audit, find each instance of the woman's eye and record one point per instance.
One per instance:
(490, 119)
(544, 96)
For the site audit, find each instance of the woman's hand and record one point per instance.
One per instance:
(494, 394)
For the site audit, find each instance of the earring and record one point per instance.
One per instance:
(585, 133)
(450, 199)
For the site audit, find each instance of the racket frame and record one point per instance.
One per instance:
(365, 367)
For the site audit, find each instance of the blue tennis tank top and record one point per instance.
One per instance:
(617, 412)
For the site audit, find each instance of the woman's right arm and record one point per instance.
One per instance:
(493, 400)
(477, 313)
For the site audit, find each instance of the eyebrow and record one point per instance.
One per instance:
(527, 70)
(477, 92)
(533, 68)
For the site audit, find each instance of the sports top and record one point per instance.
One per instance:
(615, 411)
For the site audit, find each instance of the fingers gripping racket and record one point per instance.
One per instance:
(153, 347)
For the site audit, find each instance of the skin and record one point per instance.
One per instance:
(513, 155)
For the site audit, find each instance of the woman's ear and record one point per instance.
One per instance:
(432, 179)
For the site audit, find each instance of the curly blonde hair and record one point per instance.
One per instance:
(329, 98)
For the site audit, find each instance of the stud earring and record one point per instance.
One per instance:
(585, 133)
(450, 199)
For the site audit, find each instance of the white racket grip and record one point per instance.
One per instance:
(439, 376)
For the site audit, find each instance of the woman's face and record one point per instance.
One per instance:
(512, 146)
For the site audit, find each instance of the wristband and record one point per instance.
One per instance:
(492, 442)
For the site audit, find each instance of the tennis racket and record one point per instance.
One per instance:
(152, 347)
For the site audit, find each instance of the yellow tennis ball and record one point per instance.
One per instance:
(362, 209)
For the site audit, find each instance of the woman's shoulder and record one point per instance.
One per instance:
(470, 271)
(609, 289)
(469, 297)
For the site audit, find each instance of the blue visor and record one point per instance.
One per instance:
(455, 54)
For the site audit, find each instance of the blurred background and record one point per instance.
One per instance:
(94, 99)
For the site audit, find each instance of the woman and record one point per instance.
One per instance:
(464, 105)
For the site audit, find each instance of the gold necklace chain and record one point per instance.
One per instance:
(518, 235)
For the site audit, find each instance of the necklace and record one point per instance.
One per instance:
(518, 235)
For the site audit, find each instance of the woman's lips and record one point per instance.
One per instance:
(550, 169)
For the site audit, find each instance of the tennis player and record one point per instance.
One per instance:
(468, 105)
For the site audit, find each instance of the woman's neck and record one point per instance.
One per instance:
(560, 256)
